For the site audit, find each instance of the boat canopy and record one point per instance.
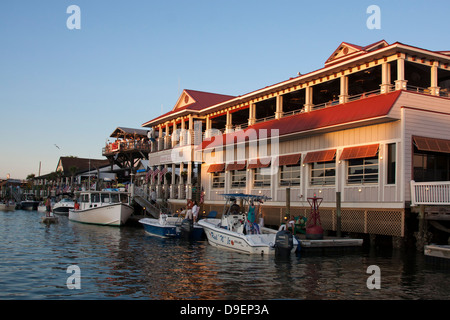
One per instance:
(244, 196)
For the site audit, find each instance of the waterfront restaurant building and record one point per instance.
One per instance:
(370, 125)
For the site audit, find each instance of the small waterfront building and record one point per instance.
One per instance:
(368, 127)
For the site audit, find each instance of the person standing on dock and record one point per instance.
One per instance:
(195, 210)
(48, 207)
(153, 196)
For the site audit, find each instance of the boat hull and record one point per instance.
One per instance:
(249, 244)
(172, 229)
(115, 214)
(61, 210)
(29, 205)
(7, 207)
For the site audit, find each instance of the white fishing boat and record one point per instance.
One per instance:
(238, 231)
(7, 206)
(107, 207)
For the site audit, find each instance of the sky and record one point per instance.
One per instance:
(63, 90)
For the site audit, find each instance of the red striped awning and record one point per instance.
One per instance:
(258, 163)
(240, 165)
(216, 168)
(289, 159)
(320, 156)
(432, 144)
(360, 152)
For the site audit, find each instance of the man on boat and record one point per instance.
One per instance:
(235, 208)
(76, 205)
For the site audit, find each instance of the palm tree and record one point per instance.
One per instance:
(72, 170)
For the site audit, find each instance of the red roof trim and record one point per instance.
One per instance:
(358, 110)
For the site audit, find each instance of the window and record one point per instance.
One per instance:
(391, 163)
(364, 170)
(218, 180)
(95, 197)
(238, 178)
(261, 177)
(323, 173)
(431, 166)
(290, 175)
(114, 198)
(105, 197)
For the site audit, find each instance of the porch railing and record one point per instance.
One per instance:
(430, 193)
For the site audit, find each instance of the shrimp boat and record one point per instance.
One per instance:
(107, 207)
(238, 231)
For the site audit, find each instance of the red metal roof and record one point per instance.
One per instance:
(358, 110)
(202, 101)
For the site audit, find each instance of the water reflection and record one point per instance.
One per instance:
(126, 263)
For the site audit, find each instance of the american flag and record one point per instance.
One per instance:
(155, 172)
(162, 173)
(149, 173)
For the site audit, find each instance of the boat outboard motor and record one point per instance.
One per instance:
(187, 228)
(284, 242)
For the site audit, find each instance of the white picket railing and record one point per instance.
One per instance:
(430, 193)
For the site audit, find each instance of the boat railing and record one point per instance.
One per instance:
(430, 193)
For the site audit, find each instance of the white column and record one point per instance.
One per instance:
(434, 89)
(343, 97)
(251, 114)
(400, 83)
(229, 124)
(308, 98)
(385, 85)
(279, 111)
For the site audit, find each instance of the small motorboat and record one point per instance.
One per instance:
(62, 207)
(238, 231)
(167, 226)
(29, 202)
(8, 206)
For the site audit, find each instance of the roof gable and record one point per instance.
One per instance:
(188, 102)
(347, 50)
(81, 164)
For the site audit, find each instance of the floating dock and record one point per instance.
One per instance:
(49, 220)
(329, 242)
(439, 253)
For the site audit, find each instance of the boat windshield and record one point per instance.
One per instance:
(114, 198)
(240, 202)
(95, 197)
(105, 198)
(124, 198)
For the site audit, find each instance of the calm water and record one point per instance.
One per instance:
(125, 263)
